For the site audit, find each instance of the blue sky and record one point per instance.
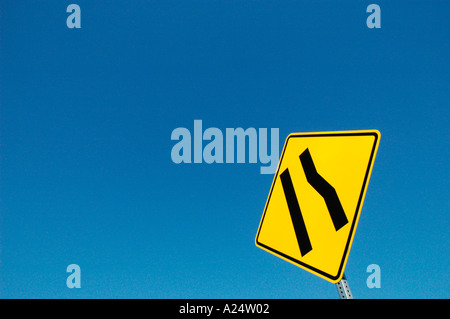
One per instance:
(86, 117)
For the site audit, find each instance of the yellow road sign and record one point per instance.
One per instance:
(316, 198)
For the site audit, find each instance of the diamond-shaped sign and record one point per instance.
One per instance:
(316, 198)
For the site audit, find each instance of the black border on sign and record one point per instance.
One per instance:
(358, 206)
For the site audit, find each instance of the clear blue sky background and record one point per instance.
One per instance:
(86, 117)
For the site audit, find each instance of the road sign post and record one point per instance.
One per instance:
(344, 289)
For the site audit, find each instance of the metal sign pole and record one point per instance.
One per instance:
(344, 289)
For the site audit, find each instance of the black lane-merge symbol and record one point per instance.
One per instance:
(328, 193)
